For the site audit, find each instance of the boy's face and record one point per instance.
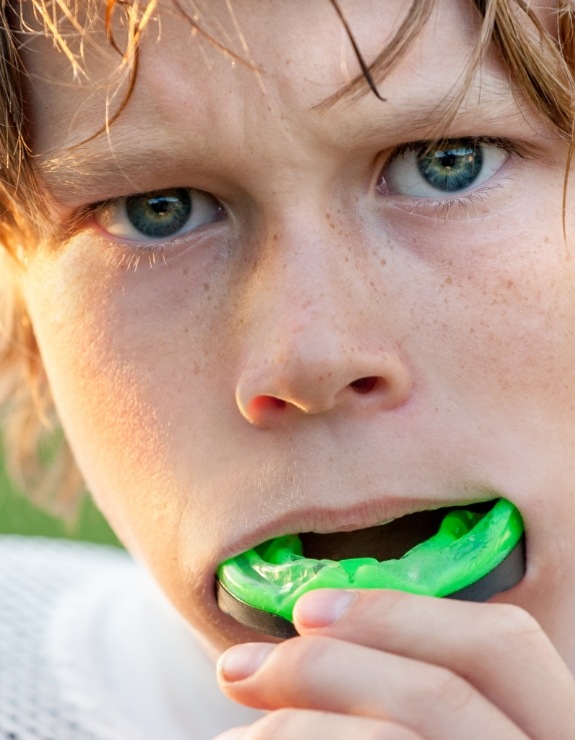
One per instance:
(325, 343)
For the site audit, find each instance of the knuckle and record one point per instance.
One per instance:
(303, 652)
(514, 629)
(517, 622)
(441, 688)
(392, 605)
(303, 657)
(453, 692)
(388, 608)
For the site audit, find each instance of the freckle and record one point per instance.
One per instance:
(510, 283)
(328, 215)
(449, 280)
(275, 237)
(185, 271)
(206, 287)
(383, 263)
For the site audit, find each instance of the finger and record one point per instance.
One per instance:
(298, 724)
(499, 648)
(330, 675)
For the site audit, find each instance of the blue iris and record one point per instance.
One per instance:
(159, 214)
(451, 167)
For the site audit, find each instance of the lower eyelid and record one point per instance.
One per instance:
(466, 206)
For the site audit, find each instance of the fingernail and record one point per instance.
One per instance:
(323, 607)
(241, 661)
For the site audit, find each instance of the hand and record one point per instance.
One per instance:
(386, 664)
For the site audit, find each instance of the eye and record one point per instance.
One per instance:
(159, 214)
(422, 170)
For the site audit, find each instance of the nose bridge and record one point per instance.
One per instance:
(308, 302)
(314, 339)
(315, 294)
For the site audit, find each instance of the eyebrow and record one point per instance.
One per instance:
(481, 109)
(86, 169)
(486, 87)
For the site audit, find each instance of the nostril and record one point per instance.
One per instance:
(365, 385)
(266, 403)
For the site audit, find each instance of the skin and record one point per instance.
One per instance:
(210, 391)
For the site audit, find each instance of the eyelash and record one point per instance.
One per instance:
(129, 257)
(496, 141)
(444, 207)
(125, 254)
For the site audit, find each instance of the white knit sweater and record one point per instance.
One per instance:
(90, 650)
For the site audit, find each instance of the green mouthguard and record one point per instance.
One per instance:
(468, 546)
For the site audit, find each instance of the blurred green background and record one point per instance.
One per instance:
(18, 516)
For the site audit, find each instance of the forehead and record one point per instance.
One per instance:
(292, 52)
(211, 78)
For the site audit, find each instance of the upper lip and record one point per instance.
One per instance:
(324, 520)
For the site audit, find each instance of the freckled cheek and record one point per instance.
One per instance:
(121, 365)
(511, 334)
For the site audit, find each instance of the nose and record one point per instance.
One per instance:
(315, 383)
(318, 341)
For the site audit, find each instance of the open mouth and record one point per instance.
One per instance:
(400, 536)
(470, 553)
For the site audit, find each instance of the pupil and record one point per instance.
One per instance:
(160, 205)
(159, 214)
(451, 167)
